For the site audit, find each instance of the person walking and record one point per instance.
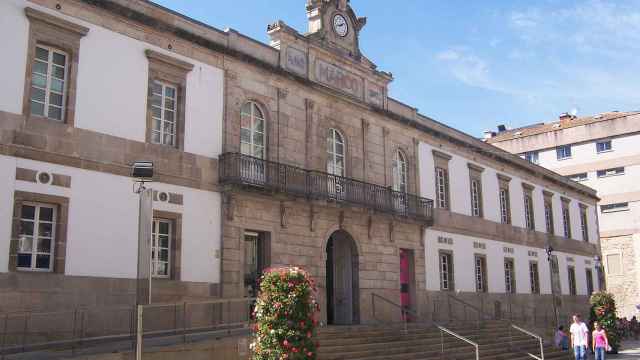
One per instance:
(600, 342)
(561, 339)
(579, 338)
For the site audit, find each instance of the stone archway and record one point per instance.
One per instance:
(343, 296)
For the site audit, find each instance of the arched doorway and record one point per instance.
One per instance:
(342, 280)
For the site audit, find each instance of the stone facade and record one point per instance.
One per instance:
(623, 282)
(304, 85)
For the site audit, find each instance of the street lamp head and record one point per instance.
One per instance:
(549, 250)
(142, 171)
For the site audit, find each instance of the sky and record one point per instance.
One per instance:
(476, 64)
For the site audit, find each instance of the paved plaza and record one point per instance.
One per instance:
(631, 350)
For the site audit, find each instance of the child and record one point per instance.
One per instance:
(562, 340)
(600, 342)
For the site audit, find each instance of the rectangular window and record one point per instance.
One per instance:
(572, 280)
(611, 172)
(603, 146)
(164, 109)
(528, 211)
(563, 152)
(589, 275)
(614, 267)
(49, 82)
(36, 237)
(548, 216)
(566, 220)
(509, 276)
(579, 177)
(532, 157)
(584, 227)
(161, 248)
(476, 197)
(614, 207)
(446, 271)
(481, 273)
(534, 277)
(442, 188)
(505, 211)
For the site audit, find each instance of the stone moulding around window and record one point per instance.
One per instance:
(547, 194)
(565, 200)
(60, 246)
(440, 156)
(475, 168)
(504, 178)
(176, 243)
(171, 70)
(527, 187)
(46, 29)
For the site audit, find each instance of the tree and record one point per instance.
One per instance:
(603, 311)
(284, 316)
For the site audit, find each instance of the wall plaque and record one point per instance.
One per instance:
(296, 61)
(339, 79)
(375, 95)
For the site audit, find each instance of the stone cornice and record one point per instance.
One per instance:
(38, 15)
(486, 229)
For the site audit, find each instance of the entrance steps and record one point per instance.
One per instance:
(422, 342)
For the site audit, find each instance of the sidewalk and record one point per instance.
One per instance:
(630, 350)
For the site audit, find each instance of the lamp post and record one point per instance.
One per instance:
(549, 251)
(142, 173)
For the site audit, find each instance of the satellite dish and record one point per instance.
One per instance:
(574, 112)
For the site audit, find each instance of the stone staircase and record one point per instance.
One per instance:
(422, 342)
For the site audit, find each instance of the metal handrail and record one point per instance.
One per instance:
(481, 314)
(403, 311)
(537, 337)
(459, 337)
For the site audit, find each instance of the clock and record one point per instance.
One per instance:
(340, 25)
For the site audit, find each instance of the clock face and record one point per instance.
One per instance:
(340, 25)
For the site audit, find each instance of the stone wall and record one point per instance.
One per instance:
(231, 348)
(625, 285)
(299, 231)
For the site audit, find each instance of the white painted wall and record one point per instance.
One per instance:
(103, 217)
(585, 153)
(461, 198)
(464, 276)
(112, 83)
(14, 54)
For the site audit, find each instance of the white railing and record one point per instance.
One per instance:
(444, 330)
(537, 337)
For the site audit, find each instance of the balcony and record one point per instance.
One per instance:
(243, 170)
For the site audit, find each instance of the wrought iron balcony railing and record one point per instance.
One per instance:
(238, 169)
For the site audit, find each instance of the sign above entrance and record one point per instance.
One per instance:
(339, 79)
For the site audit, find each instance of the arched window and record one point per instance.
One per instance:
(399, 172)
(335, 152)
(252, 130)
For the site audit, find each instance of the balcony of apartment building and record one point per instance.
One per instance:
(272, 177)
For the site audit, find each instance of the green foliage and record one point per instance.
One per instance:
(285, 316)
(603, 311)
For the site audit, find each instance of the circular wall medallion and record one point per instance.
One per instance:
(163, 196)
(44, 178)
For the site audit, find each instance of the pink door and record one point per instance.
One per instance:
(405, 280)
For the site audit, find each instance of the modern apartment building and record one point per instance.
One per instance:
(291, 153)
(600, 152)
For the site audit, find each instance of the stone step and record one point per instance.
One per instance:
(421, 342)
